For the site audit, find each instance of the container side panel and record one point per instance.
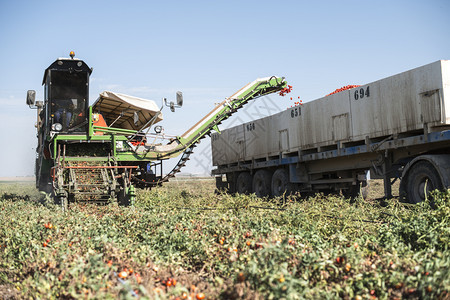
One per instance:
(293, 116)
(397, 104)
(341, 127)
(219, 148)
(284, 131)
(257, 138)
(445, 65)
(238, 146)
(228, 146)
(323, 121)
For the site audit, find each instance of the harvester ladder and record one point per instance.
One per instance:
(181, 163)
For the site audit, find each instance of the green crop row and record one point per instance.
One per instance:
(183, 241)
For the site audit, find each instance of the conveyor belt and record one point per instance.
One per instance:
(188, 141)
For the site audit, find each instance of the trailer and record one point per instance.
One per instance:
(101, 152)
(397, 127)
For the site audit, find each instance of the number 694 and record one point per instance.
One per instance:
(361, 93)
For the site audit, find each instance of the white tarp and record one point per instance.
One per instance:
(111, 105)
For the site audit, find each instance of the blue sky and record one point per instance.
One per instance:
(208, 50)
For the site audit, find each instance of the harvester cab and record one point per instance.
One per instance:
(66, 97)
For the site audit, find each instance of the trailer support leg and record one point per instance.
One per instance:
(387, 187)
(386, 175)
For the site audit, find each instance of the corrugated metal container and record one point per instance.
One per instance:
(229, 146)
(325, 121)
(402, 103)
(407, 102)
(446, 89)
(257, 136)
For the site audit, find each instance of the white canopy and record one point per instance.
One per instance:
(112, 105)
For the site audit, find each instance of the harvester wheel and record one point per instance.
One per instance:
(262, 181)
(46, 187)
(62, 200)
(122, 198)
(45, 183)
(244, 183)
(64, 203)
(126, 194)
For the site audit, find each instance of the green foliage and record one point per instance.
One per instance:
(425, 227)
(323, 247)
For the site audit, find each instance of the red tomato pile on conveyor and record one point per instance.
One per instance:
(347, 87)
(285, 91)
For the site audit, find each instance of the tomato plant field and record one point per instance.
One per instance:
(184, 241)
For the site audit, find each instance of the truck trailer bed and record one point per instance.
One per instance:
(408, 104)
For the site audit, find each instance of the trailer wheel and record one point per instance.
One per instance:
(421, 179)
(280, 183)
(244, 183)
(231, 180)
(262, 181)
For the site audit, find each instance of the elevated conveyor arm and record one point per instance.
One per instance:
(253, 90)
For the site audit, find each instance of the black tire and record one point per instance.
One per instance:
(45, 184)
(123, 199)
(262, 183)
(355, 191)
(421, 175)
(280, 183)
(64, 203)
(365, 191)
(62, 200)
(231, 180)
(244, 183)
(220, 185)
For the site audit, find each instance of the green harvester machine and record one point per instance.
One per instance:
(102, 152)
